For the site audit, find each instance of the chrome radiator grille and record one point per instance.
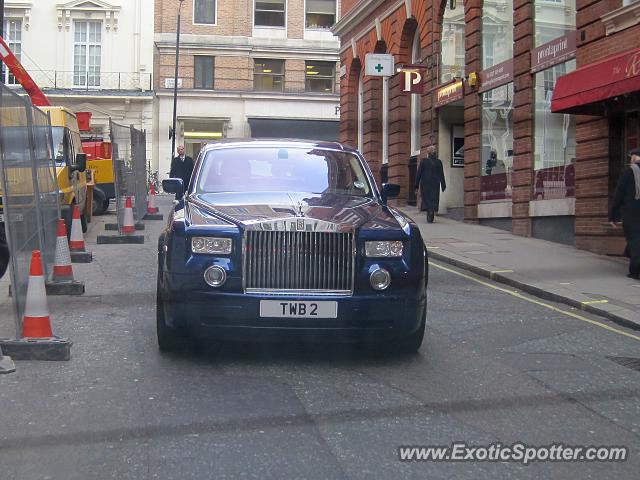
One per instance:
(299, 261)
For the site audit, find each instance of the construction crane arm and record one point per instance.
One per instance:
(37, 96)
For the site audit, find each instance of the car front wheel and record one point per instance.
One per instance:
(411, 344)
(169, 339)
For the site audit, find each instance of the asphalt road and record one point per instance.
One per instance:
(494, 368)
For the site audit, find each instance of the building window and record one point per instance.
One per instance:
(270, 13)
(497, 32)
(320, 14)
(320, 77)
(554, 20)
(497, 143)
(268, 75)
(13, 37)
(204, 11)
(203, 69)
(416, 112)
(87, 53)
(452, 45)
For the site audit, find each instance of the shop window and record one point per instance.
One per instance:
(269, 13)
(497, 32)
(452, 44)
(555, 140)
(320, 77)
(203, 73)
(320, 14)
(268, 75)
(497, 143)
(204, 11)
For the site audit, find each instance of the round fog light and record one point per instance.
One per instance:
(380, 279)
(215, 276)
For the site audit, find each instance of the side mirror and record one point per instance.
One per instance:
(80, 164)
(390, 190)
(173, 185)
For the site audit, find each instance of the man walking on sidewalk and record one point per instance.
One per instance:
(430, 178)
(182, 167)
(627, 201)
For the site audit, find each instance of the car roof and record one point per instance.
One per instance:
(276, 142)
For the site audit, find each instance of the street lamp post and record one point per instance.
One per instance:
(175, 84)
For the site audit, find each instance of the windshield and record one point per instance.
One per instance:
(271, 169)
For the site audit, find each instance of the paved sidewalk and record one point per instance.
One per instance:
(594, 283)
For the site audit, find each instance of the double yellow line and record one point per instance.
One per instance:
(517, 294)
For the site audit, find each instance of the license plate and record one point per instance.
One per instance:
(285, 308)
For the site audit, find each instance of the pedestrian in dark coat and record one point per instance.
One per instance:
(430, 178)
(626, 206)
(182, 167)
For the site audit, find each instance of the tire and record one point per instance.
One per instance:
(100, 202)
(83, 222)
(169, 339)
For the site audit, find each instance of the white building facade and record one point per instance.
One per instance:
(88, 55)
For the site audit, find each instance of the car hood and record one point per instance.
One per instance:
(246, 209)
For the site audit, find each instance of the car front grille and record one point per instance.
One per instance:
(298, 261)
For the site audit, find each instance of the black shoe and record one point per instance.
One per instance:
(634, 276)
(430, 217)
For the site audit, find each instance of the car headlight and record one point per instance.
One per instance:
(380, 279)
(212, 245)
(383, 248)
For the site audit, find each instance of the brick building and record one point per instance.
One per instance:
(604, 93)
(489, 73)
(263, 68)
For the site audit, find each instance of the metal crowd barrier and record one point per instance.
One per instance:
(30, 203)
(128, 151)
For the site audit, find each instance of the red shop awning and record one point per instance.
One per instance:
(584, 90)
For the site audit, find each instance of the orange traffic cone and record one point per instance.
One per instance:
(151, 203)
(76, 242)
(127, 225)
(36, 322)
(62, 270)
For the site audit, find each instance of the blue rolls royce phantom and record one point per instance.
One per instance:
(288, 239)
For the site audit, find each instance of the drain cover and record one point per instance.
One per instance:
(629, 362)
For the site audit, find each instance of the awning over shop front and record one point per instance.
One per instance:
(327, 130)
(585, 90)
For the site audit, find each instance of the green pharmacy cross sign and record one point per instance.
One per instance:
(379, 65)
